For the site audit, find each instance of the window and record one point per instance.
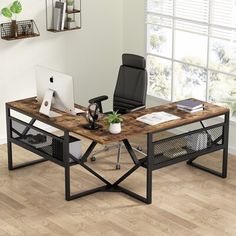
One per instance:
(191, 50)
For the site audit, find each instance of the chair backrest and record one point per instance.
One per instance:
(131, 87)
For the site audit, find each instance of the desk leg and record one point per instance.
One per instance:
(9, 152)
(225, 151)
(149, 169)
(67, 183)
(140, 162)
(67, 164)
(130, 151)
(11, 165)
(9, 144)
(223, 173)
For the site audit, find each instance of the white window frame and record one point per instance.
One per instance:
(172, 60)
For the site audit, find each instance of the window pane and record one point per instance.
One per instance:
(223, 55)
(159, 20)
(223, 13)
(195, 10)
(191, 48)
(189, 81)
(159, 73)
(222, 90)
(160, 6)
(159, 40)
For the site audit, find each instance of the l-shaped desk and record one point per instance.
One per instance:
(160, 151)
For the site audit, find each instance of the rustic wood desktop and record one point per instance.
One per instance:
(213, 137)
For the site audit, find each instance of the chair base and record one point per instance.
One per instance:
(117, 166)
(119, 146)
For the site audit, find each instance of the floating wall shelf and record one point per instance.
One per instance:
(25, 29)
(60, 17)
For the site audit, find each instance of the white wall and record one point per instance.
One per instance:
(134, 27)
(95, 52)
(91, 54)
(134, 40)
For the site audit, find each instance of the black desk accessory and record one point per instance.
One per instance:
(92, 115)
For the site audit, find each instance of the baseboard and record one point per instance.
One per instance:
(232, 150)
(3, 140)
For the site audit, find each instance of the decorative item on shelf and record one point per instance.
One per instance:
(175, 152)
(63, 15)
(70, 23)
(25, 29)
(69, 5)
(35, 139)
(114, 119)
(199, 141)
(11, 13)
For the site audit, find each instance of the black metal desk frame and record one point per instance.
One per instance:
(147, 162)
(108, 187)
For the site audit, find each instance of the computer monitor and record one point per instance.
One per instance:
(54, 89)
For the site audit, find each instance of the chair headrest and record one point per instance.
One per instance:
(135, 61)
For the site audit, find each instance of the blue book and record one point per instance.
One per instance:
(190, 104)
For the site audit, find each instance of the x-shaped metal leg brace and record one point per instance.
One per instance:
(112, 187)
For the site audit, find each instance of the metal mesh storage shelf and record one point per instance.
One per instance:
(23, 135)
(188, 145)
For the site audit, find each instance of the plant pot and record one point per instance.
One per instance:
(14, 29)
(70, 8)
(71, 24)
(115, 128)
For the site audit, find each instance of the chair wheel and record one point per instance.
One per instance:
(93, 158)
(139, 148)
(117, 166)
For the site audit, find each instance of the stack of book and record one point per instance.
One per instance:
(59, 13)
(190, 105)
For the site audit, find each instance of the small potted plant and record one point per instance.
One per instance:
(114, 119)
(70, 5)
(70, 23)
(11, 13)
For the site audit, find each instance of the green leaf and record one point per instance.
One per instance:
(16, 7)
(70, 2)
(114, 118)
(6, 12)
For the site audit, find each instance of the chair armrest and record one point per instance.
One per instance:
(98, 99)
(136, 109)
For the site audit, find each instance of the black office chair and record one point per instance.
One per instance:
(130, 91)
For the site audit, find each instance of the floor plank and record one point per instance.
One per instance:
(186, 201)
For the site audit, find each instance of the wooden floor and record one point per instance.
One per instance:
(186, 201)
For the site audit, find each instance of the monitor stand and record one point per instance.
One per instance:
(47, 104)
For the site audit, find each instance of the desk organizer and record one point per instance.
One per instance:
(51, 146)
(25, 29)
